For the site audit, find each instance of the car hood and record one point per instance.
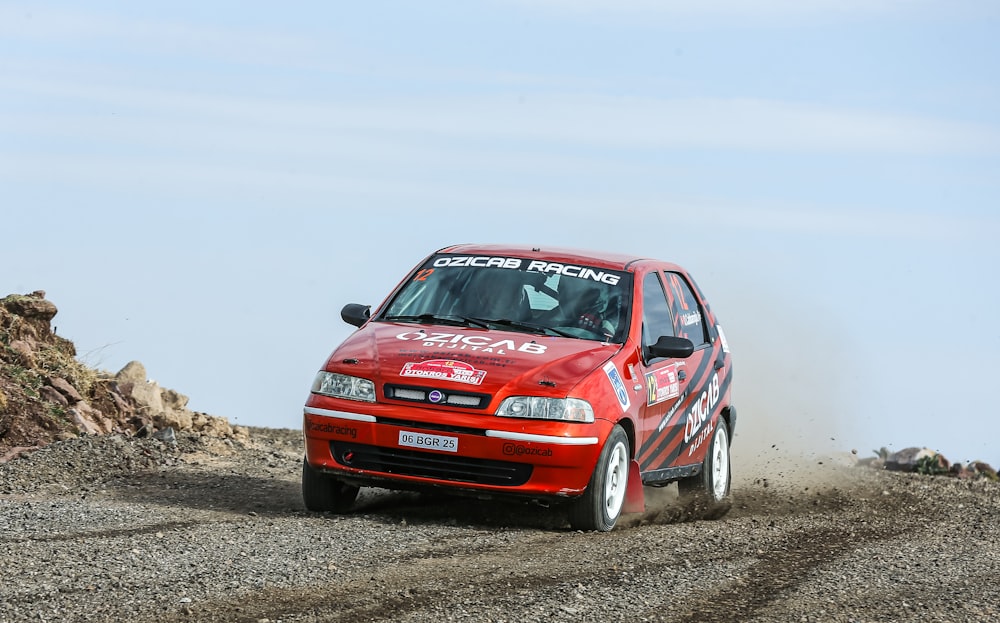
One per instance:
(470, 359)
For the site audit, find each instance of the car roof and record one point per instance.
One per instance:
(599, 259)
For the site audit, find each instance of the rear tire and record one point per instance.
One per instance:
(322, 493)
(708, 492)
(601, 504)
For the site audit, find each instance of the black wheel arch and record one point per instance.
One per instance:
(729, 415)
(629, 427)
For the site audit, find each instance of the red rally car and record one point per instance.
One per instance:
(553, 374)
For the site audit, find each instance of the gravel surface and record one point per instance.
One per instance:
(114, 529)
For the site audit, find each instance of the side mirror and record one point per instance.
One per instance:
(671, 346)
(355, 314)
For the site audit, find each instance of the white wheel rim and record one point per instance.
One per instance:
(615, 480)
(720, 464)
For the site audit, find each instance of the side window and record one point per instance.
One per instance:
(656, 320)
(689, 321)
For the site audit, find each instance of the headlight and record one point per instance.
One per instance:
(343, 386)
(572, 409)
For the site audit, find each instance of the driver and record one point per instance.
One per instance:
(584, 303)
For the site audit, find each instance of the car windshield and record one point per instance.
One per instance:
(516, 294)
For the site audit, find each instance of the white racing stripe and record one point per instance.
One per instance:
(562, 441)
(343, 415)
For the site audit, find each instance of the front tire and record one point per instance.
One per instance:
(322, 493)
(709, 491)
(601, 504)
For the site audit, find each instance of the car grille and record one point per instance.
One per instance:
(435, 396)
(431, 465)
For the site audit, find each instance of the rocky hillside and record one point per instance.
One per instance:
(46, 394)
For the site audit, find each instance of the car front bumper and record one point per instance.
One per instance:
(419, 448)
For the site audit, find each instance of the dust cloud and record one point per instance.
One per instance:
(791, 379)
(794, 429)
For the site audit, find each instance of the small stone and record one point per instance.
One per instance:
(166, 435)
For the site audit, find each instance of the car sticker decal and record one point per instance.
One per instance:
(444, 370)
(702, 409)
(480, 343)
(538, 266)
(705, 434)
(673, 411)
(691, 318)
(722, 338)
(662, 384)
(617, 385)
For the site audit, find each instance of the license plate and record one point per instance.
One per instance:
(428, 442)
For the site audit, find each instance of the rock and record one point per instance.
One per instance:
(173, 400)
(66, 389)
(241, 433)
(121, 405)
(134, 373)
(51, 394)
(984, 470)
(217, 427)
(960, 471)
(142, 425)
(84, 420)
(903, 461)
(973, 471)
(31, 307)
(95, 418)
(16, 452)
(165, 407)
(924, 460)
(147, 394)
(166, 435)
(24, 352)
(181, 420)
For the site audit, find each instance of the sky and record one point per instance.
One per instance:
(202, 186)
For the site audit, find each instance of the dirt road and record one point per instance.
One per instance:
(113, 529)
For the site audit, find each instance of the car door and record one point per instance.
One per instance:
(673, 385)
